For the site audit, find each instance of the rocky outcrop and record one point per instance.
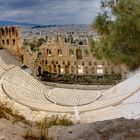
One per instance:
(118, 129)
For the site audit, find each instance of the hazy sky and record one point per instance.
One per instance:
(49, 11)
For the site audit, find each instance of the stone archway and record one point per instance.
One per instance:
(78, 53)
(2, 31)
(80, 69)
(22, 58)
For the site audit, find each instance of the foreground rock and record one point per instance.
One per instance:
(119, 129)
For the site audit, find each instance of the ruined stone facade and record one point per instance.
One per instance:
(57, 55)
(61, 57)
(10, 38)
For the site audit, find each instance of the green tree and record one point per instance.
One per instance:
(119, 27)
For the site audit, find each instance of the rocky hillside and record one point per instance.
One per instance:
(118, 129)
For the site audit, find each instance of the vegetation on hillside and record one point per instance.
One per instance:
(35, 130)
(119, 27)
(9, 113)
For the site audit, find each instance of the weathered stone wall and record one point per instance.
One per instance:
(11, 39)
(65, 58)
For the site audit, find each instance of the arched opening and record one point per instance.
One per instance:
(22, 58)
(68, 62)
(59, 69)
(59, 52)
(6, 30)
(3, 42)
(49, 52)
(78, 54)
(14, 41)
(39, 70)
(10, 31)
(71, 52)
(80, 43)
(7, 41)
(55, 70)
(62, 70)
(2, 31)
(13, 30)
(80, 69)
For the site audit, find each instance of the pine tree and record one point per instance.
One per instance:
(119, 27)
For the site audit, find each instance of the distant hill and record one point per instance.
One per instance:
(59, 25)
(9, 23)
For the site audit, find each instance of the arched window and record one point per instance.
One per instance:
(59, 52)
(68, 62)
(71, 52)
(55, 69)
(80, 69)
(13, 30)
(10, 30)
(78, 54)
(3, 42)
(80, 43)
(56, 62)
(89, 63)
(14, 41)
(63, 62)
(7, 42)
(6, 30)
(49, 52)
(2, 31)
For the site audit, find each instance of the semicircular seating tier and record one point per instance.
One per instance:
(26, 90)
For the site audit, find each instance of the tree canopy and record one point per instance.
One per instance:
(119, 28)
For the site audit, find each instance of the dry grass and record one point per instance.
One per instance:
(45, 124)
(54, 120)
(8, 112)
